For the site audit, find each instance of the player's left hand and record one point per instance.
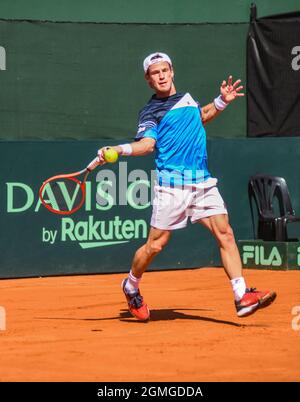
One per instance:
(230, 91)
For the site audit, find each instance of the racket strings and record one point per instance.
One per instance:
(63, 195)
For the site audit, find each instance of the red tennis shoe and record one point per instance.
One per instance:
(253, 300)
(137, 307)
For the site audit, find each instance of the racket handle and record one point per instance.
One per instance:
(92, 165)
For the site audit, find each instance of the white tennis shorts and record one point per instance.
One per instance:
(173, 206)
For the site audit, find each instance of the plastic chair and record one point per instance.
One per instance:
(272, 223)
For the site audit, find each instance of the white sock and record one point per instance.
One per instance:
(133, 283)
(238, 287)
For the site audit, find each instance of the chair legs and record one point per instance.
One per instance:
(266, 230)
(281, 230)
(275, 230)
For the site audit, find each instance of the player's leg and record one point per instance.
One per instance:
(157, 240)
(247, 301)
(168, 214)
(222, 231)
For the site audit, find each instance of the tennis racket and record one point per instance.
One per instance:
(64, 194)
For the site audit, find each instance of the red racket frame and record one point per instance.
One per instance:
(70, 176)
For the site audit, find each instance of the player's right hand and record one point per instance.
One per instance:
(101, 156)
(98, 161)
(92, 165)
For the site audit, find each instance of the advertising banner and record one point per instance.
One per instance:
(270, 254)
(103, 235)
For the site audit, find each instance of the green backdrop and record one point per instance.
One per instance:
(141, 10)
(84, 81)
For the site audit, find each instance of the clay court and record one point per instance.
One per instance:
(77, 328)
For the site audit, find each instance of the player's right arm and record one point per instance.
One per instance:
(144, 146)
(145, 138)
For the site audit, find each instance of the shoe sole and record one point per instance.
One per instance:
(268, 300)
(133, 315)
(245, 312)
(138, 318)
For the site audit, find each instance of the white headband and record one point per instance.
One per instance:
(153, 58)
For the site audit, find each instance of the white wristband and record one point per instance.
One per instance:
(219, 103)
(126, 149)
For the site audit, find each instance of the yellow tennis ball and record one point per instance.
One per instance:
(110, 155)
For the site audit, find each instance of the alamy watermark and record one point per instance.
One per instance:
(140, 189)
(296, 320)
(2, 319)
(2, 58)
(296, 60)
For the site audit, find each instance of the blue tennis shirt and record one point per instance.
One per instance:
(176, 126)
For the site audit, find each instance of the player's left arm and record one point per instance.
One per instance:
(228, 93)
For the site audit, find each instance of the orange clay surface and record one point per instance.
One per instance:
(77, 328)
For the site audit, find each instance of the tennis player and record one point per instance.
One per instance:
(172, 125)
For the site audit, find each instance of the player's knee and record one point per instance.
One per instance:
(226, 237)
(156, 246)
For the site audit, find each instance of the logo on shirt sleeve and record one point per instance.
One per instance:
(145, 126)
(141, 129)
